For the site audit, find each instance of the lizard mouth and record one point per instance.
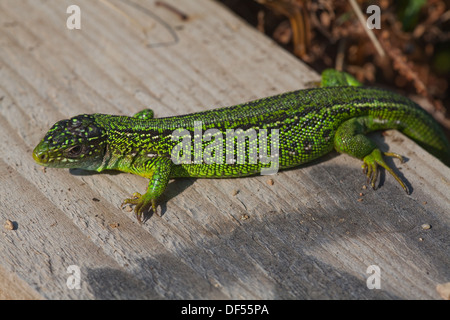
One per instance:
(40, 154)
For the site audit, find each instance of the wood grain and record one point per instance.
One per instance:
(309, 235)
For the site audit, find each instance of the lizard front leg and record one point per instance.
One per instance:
(158, 171)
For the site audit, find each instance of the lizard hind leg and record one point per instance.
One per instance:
(375, 159)
(350, 139)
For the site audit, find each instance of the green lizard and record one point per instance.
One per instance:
(301, 125)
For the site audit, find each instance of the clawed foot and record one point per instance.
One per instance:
(142, 203)
(375, 159)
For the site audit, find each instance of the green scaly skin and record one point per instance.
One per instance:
(311, 123)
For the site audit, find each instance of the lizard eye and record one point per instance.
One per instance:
(74, 151)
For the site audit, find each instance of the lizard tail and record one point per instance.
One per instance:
(428, 134)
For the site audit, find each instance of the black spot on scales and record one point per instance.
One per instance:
(326, 133)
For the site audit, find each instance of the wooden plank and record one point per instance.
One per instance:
(306, 236)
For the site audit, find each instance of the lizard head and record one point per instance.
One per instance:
(74, 143)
